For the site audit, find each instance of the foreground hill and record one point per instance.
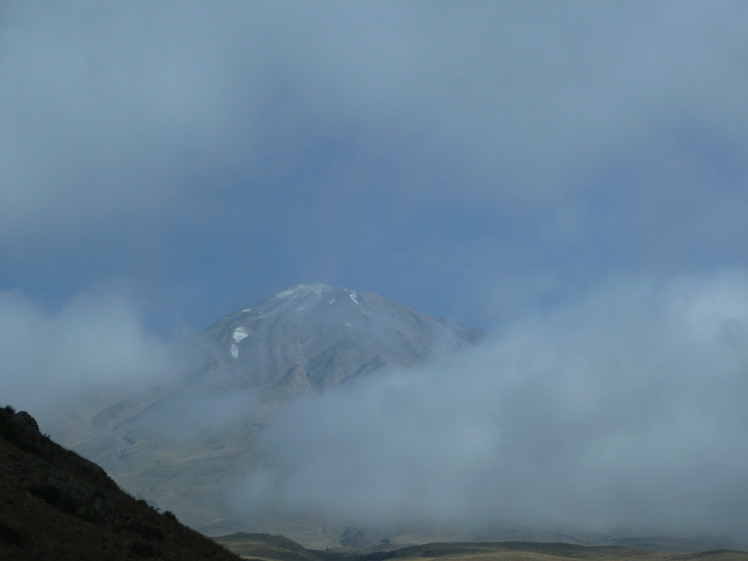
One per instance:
(58, 506)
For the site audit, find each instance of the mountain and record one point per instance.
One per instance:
(312, 337)
(183, 444)
(57, 505)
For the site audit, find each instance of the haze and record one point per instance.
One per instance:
(622, 413)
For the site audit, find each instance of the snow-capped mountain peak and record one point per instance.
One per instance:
(311, 336)
(303, 290)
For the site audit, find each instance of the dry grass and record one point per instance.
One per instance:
(537, 551)
(276, 548)
(267, 547)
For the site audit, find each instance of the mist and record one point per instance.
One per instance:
(623, 411)
(53, 358)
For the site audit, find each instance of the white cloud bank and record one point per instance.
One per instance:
(624, 411)
(50, 359)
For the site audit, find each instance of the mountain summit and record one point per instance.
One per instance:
(179, 444)
(312, 336)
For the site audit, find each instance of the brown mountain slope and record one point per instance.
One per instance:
(55, 505)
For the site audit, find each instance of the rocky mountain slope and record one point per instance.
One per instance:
(56, 505)
(312, 337)
(182, 445)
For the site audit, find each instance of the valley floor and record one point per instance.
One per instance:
(276, 548)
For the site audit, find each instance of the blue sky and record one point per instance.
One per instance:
(472, 160)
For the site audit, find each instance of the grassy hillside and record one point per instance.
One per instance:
(267, 547)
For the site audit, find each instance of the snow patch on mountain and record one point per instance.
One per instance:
(239, 334)
(303, 290)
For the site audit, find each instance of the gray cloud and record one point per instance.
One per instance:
(624, 411)
(114, 107)
(109, 105)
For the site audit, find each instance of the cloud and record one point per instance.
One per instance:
(103, 116)
(117, 109)
(623, 411)
(50, 360)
